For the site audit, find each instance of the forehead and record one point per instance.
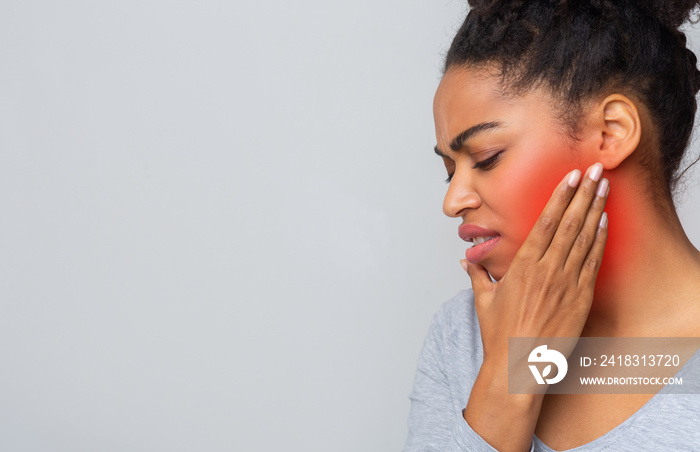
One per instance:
(467, 97)
(459, 84)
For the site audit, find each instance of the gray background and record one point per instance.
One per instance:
(221, 224)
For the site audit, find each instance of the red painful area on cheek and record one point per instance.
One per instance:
(519, 196)
(532, 188)
(525, 181)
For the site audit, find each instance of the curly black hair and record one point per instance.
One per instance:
(580, 49)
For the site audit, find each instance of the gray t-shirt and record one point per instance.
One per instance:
(447, 368)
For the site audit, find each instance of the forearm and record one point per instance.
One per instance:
(506, 421)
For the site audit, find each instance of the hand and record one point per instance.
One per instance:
(548, 288)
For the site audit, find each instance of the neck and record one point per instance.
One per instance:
(648, 284)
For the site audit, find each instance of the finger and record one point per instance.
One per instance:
(574, 217)
(591, 265)
(481, 281)
(586, 237)
(540, 237)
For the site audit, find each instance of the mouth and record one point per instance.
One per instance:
(479, 240)
(483, 240)
(482, 246)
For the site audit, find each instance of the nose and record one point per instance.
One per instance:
(460, 196)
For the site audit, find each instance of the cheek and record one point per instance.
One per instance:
(528, 185)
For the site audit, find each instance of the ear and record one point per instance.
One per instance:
(619, 129)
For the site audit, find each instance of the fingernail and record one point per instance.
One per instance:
(464, 264)
(602, 188)
(603, 221)
(574, 177)
(596, 171)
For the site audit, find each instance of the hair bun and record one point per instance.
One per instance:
(673, 13)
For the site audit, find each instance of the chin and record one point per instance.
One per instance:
(496, 276)
(498, 266)
(494, 272)
(497, 269)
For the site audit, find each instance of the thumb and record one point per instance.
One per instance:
(481, 281)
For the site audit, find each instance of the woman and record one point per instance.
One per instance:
(552, 118)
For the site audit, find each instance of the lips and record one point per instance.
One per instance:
(484, 240)
(468, 232)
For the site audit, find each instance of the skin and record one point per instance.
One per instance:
(555, 274)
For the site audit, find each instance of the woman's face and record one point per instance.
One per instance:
(505, 156)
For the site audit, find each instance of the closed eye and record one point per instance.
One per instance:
(484, 165)
(488, 163)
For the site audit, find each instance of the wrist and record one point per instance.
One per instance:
(492, 384)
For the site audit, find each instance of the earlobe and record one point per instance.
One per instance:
(621, 130)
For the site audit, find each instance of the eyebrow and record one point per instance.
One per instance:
(458, 142)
